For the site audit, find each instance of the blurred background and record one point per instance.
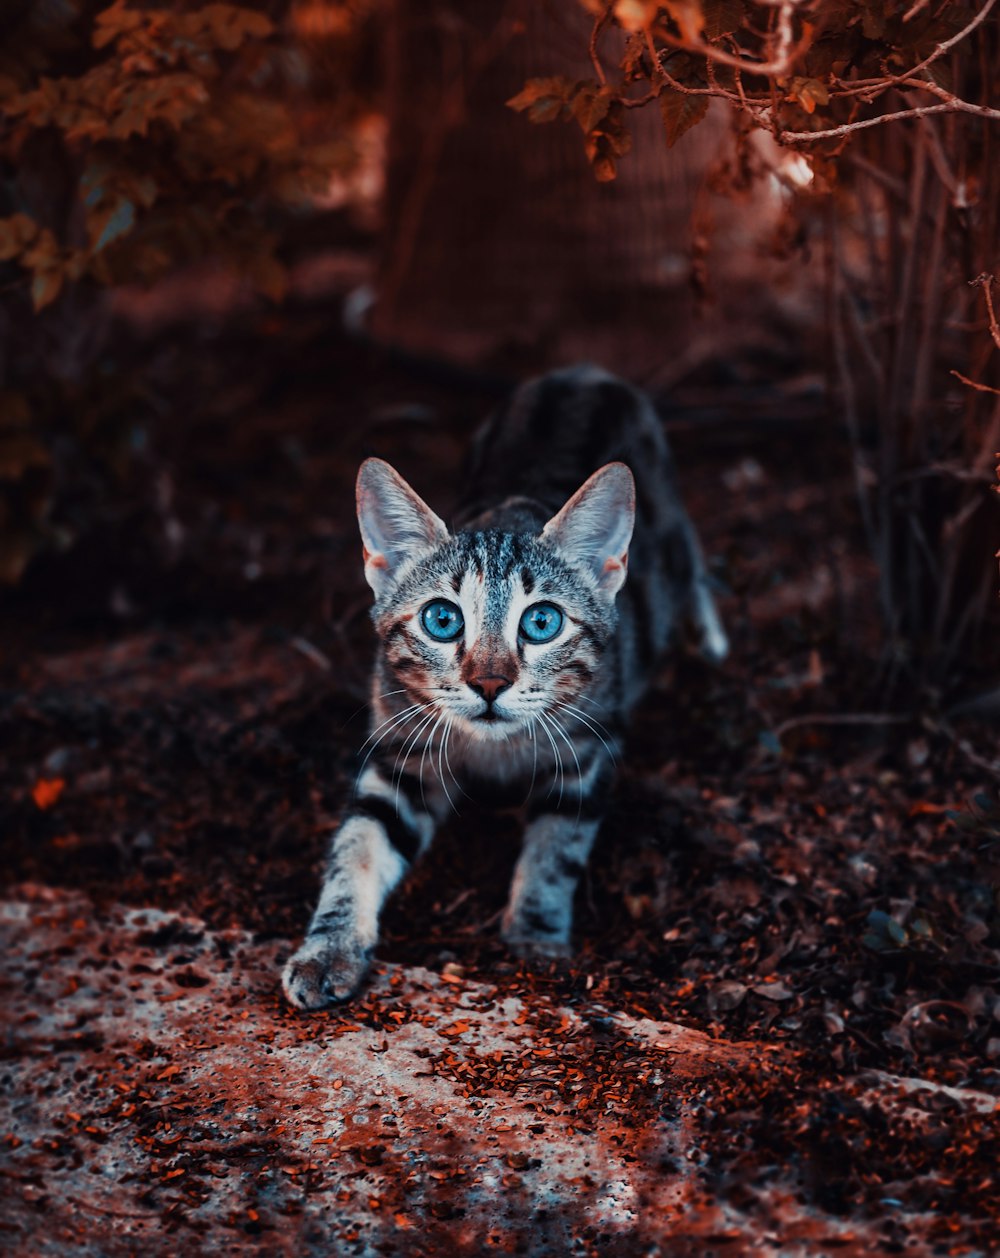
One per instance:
(221, 227)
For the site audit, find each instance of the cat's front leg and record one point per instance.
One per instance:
(382, 833)
(538, 920)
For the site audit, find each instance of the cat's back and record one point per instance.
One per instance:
(533, 454)
(555, 431)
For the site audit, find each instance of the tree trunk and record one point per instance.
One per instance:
(500, 245)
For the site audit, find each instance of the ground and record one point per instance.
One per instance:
(781, 1030)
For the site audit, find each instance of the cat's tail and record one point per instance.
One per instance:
(713, 640)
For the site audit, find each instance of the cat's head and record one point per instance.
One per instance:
(493, 628)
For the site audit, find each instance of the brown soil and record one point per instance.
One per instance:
(183, 697)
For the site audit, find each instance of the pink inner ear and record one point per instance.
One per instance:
(612, 564)
(374, 560)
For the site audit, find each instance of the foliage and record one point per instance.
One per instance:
(175, 133)
(806, 71)
(133, 139)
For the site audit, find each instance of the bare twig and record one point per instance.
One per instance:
(954, 105)
(967, 750)
(786, 49)
(313, 653)
(974, 384)
(599, 25)
(638, 101)
(986, 282)
(935, 150)
(846, 718)
(953, 471)
(907, 75)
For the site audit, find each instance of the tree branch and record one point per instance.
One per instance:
(599, 24)
(974, 384)
(787, 50)
(907, 75)
(953, 106)
(986, 282)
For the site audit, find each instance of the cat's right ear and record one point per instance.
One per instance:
(396, 524)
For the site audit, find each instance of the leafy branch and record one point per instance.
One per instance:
(825, 66)
(169, 145)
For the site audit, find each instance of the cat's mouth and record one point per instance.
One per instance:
(492, 717)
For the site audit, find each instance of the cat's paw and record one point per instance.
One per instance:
(533, 948)
(537, 931)
(535, 944)
(324, 971)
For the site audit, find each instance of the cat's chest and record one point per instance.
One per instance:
(501, 774)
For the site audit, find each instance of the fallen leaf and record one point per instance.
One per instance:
(46, 792)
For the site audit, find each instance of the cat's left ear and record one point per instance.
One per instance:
(396, 524)
(594, 528)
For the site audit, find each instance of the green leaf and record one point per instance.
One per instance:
(680, 113)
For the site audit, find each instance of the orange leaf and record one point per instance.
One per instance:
(925, 806)
(46, 791)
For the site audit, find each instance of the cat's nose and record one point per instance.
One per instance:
(490, 687)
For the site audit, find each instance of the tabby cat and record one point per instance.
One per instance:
(510, 651)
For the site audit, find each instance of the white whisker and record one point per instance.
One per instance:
(371, 703)
(572, 751)
(587, 699)
(440, 767)
(395, 724)
(423, 755)
(447, 760)
(592, 725)
(404, 754)
(534, 755)
(414, 707)
(558, 757)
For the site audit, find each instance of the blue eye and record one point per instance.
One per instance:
(442, 621)
(541, 623)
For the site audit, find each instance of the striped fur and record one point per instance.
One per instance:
(547, 519)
